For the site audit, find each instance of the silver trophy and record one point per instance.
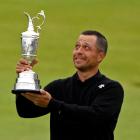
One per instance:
(28, 81)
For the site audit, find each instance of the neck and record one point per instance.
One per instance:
(84, 75)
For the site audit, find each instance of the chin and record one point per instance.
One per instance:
(80, 67)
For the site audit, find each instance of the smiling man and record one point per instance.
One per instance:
(84, 106)
(87, 55)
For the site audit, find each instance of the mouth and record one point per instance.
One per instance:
(78, 59)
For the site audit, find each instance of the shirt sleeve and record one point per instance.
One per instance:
(27, 109)
(105, 106)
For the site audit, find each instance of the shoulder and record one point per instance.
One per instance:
(110, 82)
(56, 87)
(111, 86)
(58, 83)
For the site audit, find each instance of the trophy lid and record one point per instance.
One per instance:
(30, 30)
(30, 34)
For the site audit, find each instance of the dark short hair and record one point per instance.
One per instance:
(101, 40)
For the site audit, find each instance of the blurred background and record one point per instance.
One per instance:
(118, 20)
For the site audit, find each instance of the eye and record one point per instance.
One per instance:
(77, 46)
(86, 47)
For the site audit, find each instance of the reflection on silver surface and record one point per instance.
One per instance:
(28, 80)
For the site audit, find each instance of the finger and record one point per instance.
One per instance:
(23, 61)
(29, 97)
(35, 61)
(35, 98)
(23, 67)
(19, 70)
(46, 94)
(33, 95)
(20, 65)
(26, 96)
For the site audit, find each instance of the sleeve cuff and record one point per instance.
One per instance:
(55, 105)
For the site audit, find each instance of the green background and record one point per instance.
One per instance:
(118, 20)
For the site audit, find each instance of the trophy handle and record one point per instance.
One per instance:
(41, 13)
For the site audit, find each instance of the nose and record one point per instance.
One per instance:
(79, 49)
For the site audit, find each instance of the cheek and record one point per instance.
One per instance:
(73, 53)
(93, 58)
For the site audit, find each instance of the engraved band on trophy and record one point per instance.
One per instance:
(28, 81)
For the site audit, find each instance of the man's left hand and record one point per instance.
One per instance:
(41, 100)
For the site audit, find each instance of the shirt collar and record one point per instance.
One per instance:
(91, 79)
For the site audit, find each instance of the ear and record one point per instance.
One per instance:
(101, 56)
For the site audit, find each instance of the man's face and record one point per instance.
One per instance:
(86, 55)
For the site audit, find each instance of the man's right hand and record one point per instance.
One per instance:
(23, 65)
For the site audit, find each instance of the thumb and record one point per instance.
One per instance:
(35, 61)
(42, 91)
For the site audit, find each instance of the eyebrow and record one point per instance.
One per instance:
(82, 42)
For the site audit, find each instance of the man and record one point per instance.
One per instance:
(84, 106)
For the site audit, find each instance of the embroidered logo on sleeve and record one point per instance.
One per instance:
(101, 86)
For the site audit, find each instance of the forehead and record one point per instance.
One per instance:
(87, 39)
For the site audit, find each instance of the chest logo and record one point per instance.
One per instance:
(101, 86)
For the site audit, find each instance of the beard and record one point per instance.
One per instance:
(83, 68)
(82, 64)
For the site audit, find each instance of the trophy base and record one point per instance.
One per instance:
(27, 81)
